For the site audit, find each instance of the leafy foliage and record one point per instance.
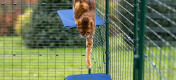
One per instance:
(46, 29)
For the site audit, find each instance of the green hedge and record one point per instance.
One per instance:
(46, 29)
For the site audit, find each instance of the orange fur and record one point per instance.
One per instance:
(80, 8)
(89, 45)
(85, 16)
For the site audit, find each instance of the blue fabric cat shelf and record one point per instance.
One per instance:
(67, 19)
(89, 77)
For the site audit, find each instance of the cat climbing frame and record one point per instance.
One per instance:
(68, 21)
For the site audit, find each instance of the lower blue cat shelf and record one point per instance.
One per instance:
(67, 18)
(100, 76)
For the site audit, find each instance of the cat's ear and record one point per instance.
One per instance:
(77, 5)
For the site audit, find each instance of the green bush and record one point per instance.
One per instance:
(46, 29)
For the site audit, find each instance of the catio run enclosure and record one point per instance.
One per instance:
(138, 41)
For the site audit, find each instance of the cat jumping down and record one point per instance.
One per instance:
(85, 18)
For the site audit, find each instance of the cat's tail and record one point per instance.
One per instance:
(89, 45)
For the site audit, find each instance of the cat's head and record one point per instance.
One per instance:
(86, 26)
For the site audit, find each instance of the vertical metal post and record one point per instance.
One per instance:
(89, 70)
(136, 56)
(141, 39)
(107, 37)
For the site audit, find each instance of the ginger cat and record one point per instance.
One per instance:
(85, 18)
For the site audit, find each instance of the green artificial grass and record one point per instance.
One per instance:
(18, 62)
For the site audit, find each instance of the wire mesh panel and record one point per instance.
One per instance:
(98, 53)
(160, 40)
(34, 45)
(120, 40)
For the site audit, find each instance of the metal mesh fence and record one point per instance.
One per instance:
(120, 40)
(160, 40)
(159, 56)
(34, 45)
